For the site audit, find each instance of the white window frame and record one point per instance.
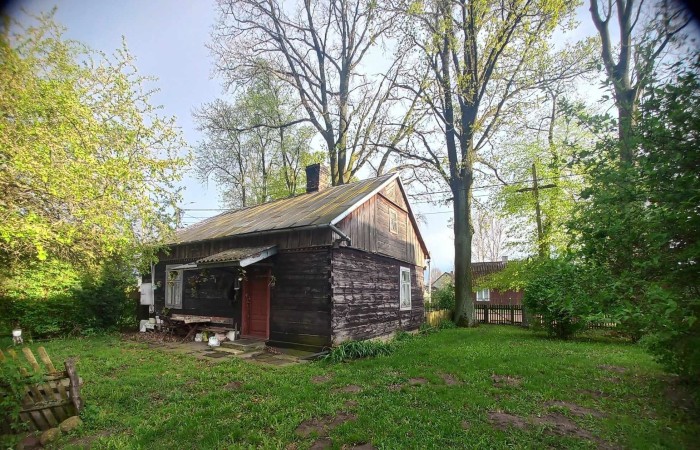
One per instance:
(173, 290)
(404, 303)
(480, 297)
(393, 221)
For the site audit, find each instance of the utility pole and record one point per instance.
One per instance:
(543, 247)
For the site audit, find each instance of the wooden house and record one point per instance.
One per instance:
(484, 296)
(334, 264)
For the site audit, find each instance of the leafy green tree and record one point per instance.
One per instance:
(638, 229)
(645, 32)
(476, 62)
(87, 163)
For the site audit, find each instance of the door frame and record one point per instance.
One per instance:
(245, 319)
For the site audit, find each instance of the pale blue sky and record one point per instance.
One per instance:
(168, 39)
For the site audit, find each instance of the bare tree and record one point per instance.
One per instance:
(253, 164)
(320, 48)
(489, 235)
(645, 32)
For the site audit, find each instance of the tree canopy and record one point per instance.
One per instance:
(88, 164)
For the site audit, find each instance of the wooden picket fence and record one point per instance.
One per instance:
(502, 315)
(51, 401)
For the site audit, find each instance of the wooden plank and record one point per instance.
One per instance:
(74, 385)
(46, 360)
(31, 359)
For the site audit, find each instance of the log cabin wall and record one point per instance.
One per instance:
(208, 301)
(369, 227)
(365, 292)
(300, 302)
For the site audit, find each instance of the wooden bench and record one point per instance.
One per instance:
(195, 323)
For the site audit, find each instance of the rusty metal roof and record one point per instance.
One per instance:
(234, 254)
(310, 209)
(480, 269)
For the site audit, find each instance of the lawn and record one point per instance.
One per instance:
(489, 387)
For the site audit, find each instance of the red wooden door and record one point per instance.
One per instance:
(256, 307)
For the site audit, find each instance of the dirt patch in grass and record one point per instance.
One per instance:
(351, 404)
(503, 421)
(417, 381)
(349, 389)
(593, 393)
(395, 387)
(449, 379)
(319, 379)
(233, 385)
(320, 444)
(554, 423)
(323, 425)
(610, 368)
(88, 441)
(558, 424)
(576, 410)
(506, 380)
(466, 425)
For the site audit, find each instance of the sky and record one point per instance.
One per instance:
(168, 39)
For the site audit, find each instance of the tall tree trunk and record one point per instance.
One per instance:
(464, 303)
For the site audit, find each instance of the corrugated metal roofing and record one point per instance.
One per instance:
(234, 254)
(315, 208)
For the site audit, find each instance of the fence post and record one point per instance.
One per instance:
(486, 313)
(512, 314)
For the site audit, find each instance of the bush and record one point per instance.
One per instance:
(51, 298)
(555, 292)
(12, 390)
(444, 298)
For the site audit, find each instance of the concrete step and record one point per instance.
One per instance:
(245, 345)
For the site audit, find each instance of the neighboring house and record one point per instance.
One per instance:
(484, 296)
(314, 270)
(444, 280)
(493, 296)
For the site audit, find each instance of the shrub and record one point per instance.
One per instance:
(444, 298)
(555, 292)
(52, 298)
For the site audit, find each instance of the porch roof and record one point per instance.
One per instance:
(243, 256)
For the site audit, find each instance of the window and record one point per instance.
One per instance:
(173, 288)
(482, 295)
(405, 289)
(393, 221)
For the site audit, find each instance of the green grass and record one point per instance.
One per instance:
(138, 397)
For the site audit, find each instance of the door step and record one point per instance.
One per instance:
(245, 345)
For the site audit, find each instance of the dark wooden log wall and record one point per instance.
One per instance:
(365, 292)
(368, 227)
(300, 302)
(202, 297)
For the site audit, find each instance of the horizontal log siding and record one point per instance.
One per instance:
(365, 290)
(212, 298)
(300, 308)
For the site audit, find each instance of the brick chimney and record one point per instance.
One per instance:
(317, 177)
